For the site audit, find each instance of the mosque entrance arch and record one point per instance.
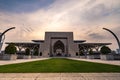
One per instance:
(59, 48)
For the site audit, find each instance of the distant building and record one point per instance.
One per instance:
(59, 44)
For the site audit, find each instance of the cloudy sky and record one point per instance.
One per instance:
(86, 18)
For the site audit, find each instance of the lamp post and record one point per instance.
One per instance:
(1, 35)
(114, 36)
(2, 43)
(5, 32)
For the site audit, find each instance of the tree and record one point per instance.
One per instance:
(105, 50)
(81, 53)
(27, 51)
(91, 52)
(10, 49)
(36, 51)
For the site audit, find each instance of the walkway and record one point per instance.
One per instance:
(4, 62)
(60, 76)
(113, 62)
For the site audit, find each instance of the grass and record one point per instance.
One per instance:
(56, 65)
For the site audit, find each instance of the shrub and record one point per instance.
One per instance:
(10, 49)
(36, 51)
(81, 53)
(27, 51)
(105, 50)
(91, 52)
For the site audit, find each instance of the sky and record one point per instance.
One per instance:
(85, 18)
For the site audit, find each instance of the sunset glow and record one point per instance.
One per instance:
(86, 18)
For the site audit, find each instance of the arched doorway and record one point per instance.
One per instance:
(58, 48)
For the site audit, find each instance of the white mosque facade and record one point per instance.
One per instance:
(59, 44)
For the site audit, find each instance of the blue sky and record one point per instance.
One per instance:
(86, 18)
(19, 6)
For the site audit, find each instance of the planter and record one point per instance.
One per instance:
(34, 57)
(90, 56)
(82, 57)
(93, 56)
(96, 56)
(27, 57)
(9, 57)
(107, 57)
(20, 57)
(116, 57)
(1, 56)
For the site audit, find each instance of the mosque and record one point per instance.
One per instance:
(59, 44)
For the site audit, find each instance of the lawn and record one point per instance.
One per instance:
(57, 65)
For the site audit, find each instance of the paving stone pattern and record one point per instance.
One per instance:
(59, 76)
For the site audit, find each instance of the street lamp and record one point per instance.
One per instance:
(1, 35)
(2, 41)
(115, 37)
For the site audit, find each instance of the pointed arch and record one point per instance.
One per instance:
(59, 45)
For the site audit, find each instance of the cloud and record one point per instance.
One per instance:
(102, 11)
(96, 36)
(85, 18)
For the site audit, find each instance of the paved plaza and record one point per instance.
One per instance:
(5, 62)
(59, 76)
(113, 62)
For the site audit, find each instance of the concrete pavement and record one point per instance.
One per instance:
(5, 62)
(60, 76)
(113, 62)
